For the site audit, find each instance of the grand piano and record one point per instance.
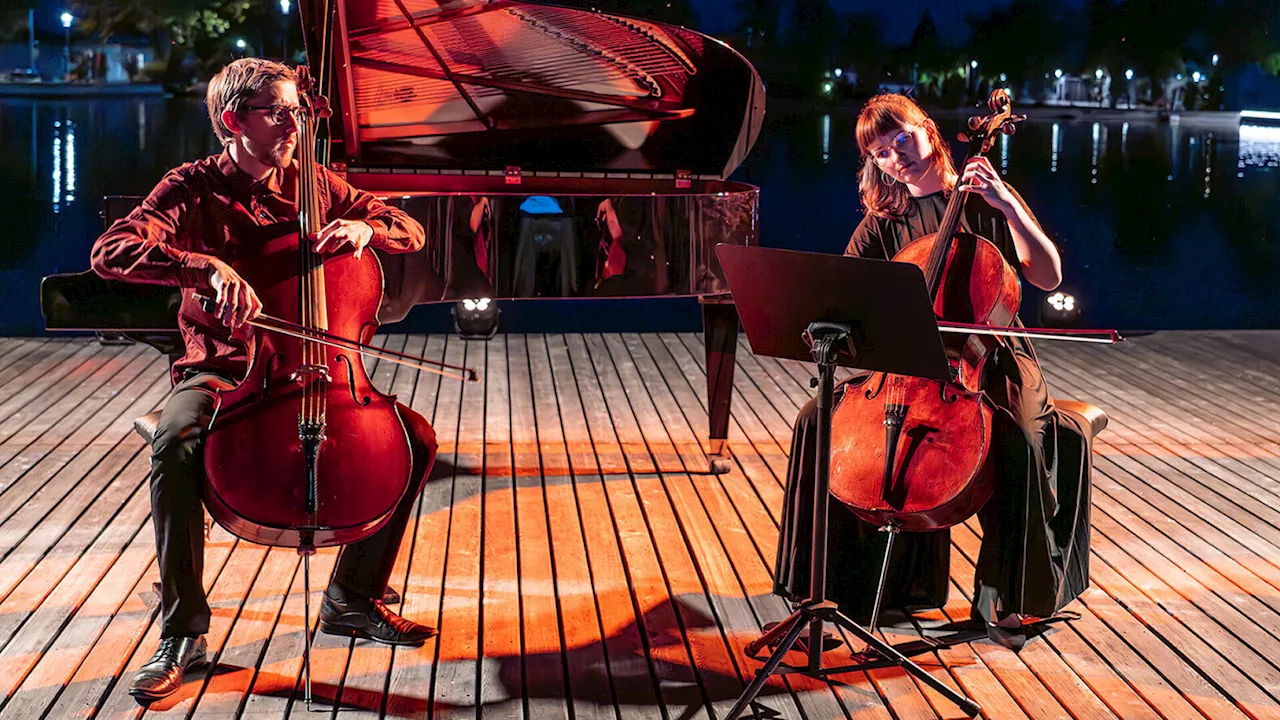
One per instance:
(548, 152)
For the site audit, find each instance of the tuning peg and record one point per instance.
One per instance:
(1009, 128)
(964, 137)
(975, 122)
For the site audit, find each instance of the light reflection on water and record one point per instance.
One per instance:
(1147, 218)
(1259, 146)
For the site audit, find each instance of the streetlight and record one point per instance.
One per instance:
(1215, 59)
(284, 38)
(1128, 74)
(1057, 74)
(67, 19)
(1195, 76)
(1098, 73)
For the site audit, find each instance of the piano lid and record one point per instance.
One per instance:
(482, 85)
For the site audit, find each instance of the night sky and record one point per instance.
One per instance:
(899, 16)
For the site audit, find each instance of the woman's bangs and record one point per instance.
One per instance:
(877, 120)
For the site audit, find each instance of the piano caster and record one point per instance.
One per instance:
(718, 457)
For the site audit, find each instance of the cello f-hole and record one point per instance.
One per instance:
(351, 382)
(870, 393)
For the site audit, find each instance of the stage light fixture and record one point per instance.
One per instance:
(476, 318)
(1060, 310)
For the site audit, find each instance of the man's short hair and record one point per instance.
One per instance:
(237, 83)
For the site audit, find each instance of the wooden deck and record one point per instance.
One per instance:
(581, 565)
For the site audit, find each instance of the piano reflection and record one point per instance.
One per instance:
(547, 151)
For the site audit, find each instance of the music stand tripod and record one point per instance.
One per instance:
(834, 310)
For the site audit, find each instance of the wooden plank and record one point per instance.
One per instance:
(1226, 542)
(42, 653)
(227, 600)
(584, 636)
(1225, 490)
(106, 661)
(15, 350)
(543, 661)
(26, 366)
(365, 676)
(458, 664)
(502, 682)
(225, 692)
(32, 615)
(663, 639)
(723, 599)
(1183, 619)
(55, 492)
(124, 660)
(1145, 604)
(632, 677)
(861, 693)
(24, 414)
(277, 686)
(410, 685)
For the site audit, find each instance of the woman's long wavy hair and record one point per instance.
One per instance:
(884, 114)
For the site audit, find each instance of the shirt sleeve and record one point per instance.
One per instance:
(866, 241)
(147, 244)
(393, 229)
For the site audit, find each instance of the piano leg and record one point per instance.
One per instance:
(720, 335)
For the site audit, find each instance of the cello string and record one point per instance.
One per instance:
(303, 216)
(306, 261)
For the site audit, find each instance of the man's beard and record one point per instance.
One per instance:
(278, 155)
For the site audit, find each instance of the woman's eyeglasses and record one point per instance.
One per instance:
(277, 113)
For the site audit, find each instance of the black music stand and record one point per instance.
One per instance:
(833, 310)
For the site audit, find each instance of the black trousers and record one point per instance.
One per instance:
(177, 468)
(1035, 545)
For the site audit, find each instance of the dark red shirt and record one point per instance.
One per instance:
(212, 208)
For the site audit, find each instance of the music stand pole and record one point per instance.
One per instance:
(816, 610)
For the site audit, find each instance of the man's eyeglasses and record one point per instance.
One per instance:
(277, 113)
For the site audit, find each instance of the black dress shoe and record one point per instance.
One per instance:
(371, 620)
(162, 675)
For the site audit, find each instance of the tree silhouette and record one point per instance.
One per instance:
(758, 22)
(863, 47)
(1024, 41)
(13, 20)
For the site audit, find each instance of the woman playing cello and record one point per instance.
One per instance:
(1035, 527)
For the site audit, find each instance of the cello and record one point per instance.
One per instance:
(287, 449)
(940, 475)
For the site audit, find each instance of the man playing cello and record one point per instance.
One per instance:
(201, 222)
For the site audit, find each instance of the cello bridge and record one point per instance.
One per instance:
(306, 373)
(895, 414)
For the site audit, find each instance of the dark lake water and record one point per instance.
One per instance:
(1161, 225)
